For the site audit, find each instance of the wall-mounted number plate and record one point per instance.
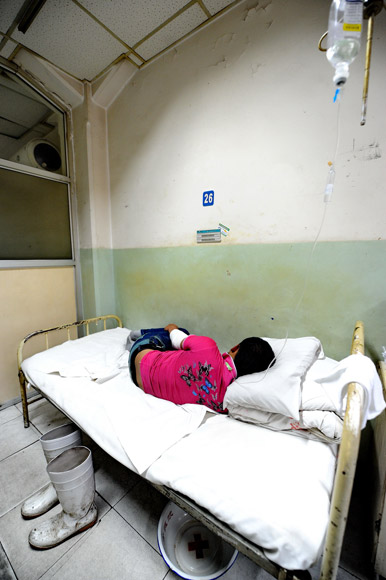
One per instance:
(208, 198)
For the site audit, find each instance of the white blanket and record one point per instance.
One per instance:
(356, 368)
(90, 380)
(273, 489)
(323, 400)
(147, 426)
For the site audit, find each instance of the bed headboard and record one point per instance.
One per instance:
(94, 324)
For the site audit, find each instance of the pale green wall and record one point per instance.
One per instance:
(97, 275)
(229, 292)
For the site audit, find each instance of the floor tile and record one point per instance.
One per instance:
(44, 416)
(245, 569)
(110, 550)
(8, 414)
(112, 479)
(21, 475)
(142, 508)
(344, 575)
(15, 437)
(6, 572)
(30, 564)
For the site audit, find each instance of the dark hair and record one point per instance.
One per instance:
(253, 356)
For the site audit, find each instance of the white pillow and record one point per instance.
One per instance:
(106, 343)
(277, 390)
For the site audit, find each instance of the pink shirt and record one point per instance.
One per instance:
(198, 373)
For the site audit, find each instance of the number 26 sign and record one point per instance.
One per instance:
(208, 198)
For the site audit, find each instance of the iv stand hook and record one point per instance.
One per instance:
(320, 42)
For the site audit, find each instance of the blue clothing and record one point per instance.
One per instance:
(151, 338)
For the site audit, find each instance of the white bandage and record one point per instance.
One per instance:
(177, 336)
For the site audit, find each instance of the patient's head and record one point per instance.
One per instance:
(252, 355)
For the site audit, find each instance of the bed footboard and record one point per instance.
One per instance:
(87, 324)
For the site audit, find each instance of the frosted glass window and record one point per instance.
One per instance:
(34, 218)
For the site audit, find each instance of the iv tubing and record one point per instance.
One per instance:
(305, 284)
(315, 243)
(316, 240)
(339, 98)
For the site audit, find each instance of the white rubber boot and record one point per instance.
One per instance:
(53, 443)
(73, 477)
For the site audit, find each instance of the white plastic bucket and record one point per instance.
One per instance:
(190, 549)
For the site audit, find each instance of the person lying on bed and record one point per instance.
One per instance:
(183, 368)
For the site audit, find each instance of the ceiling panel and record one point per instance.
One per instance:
(6, 145)
(8, 48)
(169, 34)
(215, 6)
(9, 129)
(8, 12)
(67, 36)
(133, 20)
(21, 110)
(86, 37)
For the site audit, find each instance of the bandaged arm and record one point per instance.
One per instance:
(177, 337)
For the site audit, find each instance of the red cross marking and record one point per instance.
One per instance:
(199, 545)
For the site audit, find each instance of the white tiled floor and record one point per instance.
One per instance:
(123, 544)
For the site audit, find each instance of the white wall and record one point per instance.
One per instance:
(245, 108)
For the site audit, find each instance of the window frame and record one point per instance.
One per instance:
(48, 175)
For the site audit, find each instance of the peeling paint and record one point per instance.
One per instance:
(373, 152)
(255, 68)
(223, 61)
(352, 419)
(253, 10)
(225, 39)
(367, 152)
(250, 13)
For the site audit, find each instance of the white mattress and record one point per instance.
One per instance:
(269, 486)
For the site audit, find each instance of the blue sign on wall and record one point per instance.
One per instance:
(208, 198)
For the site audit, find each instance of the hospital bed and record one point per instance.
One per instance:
(281, 500)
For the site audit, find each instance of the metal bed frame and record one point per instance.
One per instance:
(344, 477)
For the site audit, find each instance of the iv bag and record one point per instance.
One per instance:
(344, 36)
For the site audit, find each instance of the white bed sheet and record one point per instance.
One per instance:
(271, 488)
(133, 427)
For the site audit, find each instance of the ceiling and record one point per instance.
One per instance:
(85, 38)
